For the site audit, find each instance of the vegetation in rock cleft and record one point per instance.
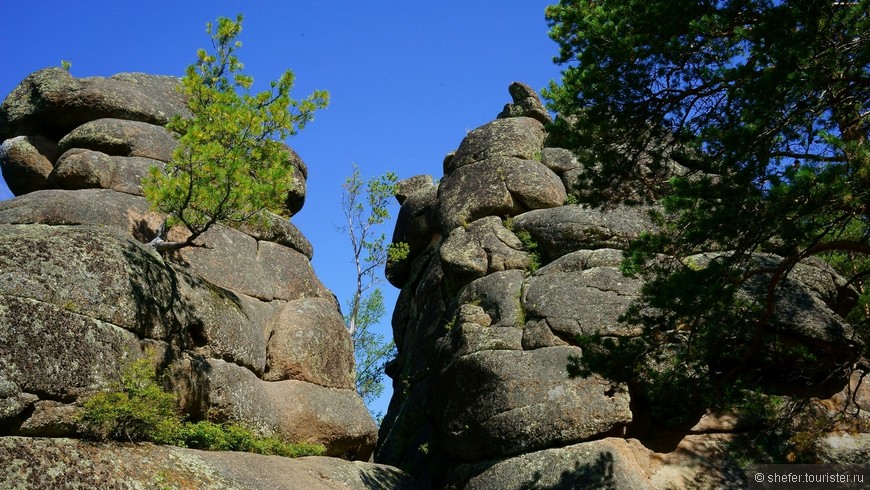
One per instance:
(530, 245)
(137, 408)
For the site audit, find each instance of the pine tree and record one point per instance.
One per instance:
(231, 163)
(746, 122)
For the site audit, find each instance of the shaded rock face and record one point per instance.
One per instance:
(501, 280)
(243, 329)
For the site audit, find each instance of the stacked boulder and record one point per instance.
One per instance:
(242, 328)
(502, 278)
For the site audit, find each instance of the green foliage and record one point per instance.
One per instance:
(370, 349)
(398, 251)
(236, 437)
(136, 409)
(450, 324)
(531, 247)
(139, 409)
(66, 64)
(365, 205)
(764, 105)
(231, 163)
(529, 244)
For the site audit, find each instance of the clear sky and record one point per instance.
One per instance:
(407, 79)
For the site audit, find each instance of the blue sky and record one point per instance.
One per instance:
(407, 79)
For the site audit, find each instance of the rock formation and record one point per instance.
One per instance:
(243, 329)
(501, 279)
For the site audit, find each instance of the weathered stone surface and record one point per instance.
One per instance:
(802, 308)
(51, 419)
(416, 225)
(26, 162)
(496, 385)
(471, 331)
(824, 281)
(519, 137)
(81, 296)
(572, 180)
(55, 102)
(95, 207)
(296, 196)
(35, 463)
(486, 246)
(94, 272)
(463, 259)
(87, 169)
(407, 437)
(411, 185)
(419, 323)
(498, 403)
(120, 137)
(78, 288)
(806, 315)
(74, 355)
(223, 324)
(608, 463)
(103, 207)
(103, 275)
(537, 334)
(417, 222)
(308, 341)
(499, 295)
(466, 338)
(498, 186)
(526, 103)
(855, 396)
(297, 410)
(13, 402)
(236, 261)
(559, 231)
(845, 448)
(559, 160)
(576, 299)
(474, 314)
(336, 418)
(279, 230)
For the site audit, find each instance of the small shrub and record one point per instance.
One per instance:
(138, 409)
(528, 242)
(531, 247)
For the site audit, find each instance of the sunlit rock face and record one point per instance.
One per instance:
(502, 278)
(242, 328)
